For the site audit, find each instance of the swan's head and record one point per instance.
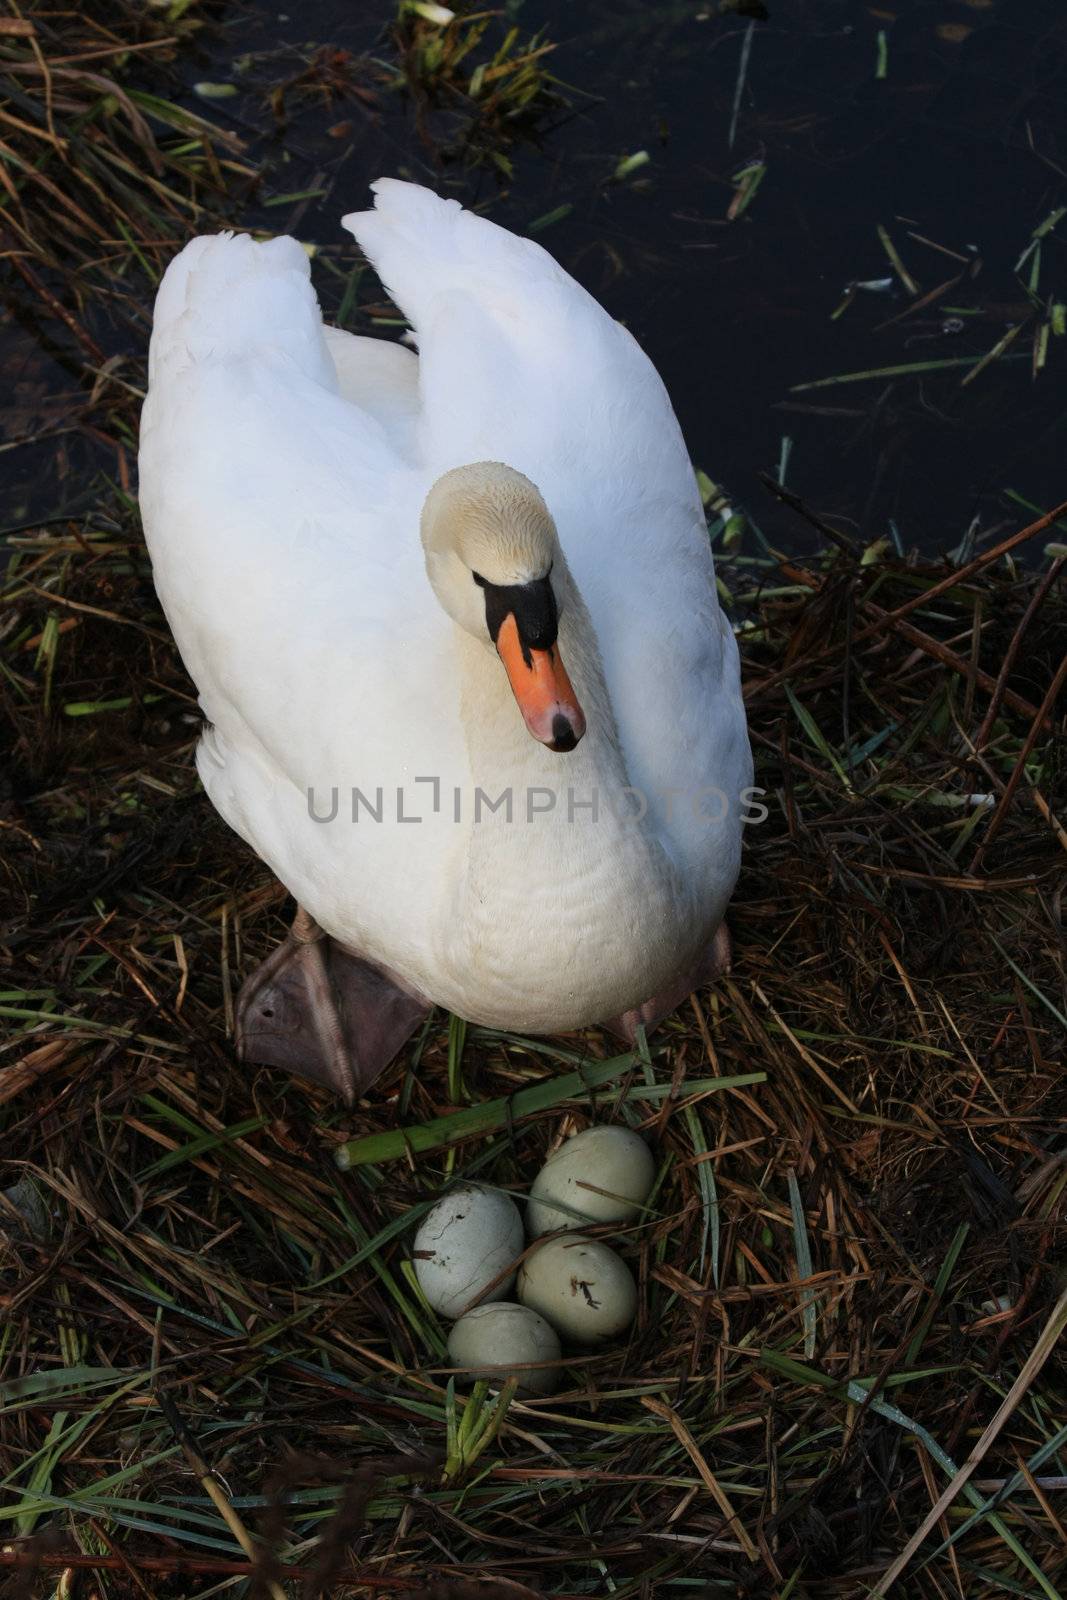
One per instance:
(494, 561)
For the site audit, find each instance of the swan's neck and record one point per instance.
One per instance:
(560, 874)
(503, 753)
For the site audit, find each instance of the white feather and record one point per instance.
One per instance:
(283, 470)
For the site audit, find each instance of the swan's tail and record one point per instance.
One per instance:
(422, 245)
(225, 297)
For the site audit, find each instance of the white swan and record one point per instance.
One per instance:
(348, 671)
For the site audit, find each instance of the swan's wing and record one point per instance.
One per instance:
(519, 364)
(282, 527)
(224, 297)
(381, 377)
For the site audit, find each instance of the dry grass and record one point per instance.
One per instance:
(852, 1262)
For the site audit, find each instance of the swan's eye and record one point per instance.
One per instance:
(479, 580)
(533, 606)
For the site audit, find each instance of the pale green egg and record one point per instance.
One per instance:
(601, 1175)
(581, 1287)
(499, 1341)
(468, 1239)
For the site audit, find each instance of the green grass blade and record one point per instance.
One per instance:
(494, 1114)
(940, 1285)
(804, 1266)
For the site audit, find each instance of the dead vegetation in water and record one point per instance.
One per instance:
(102, 173)
(474, 67)
(216, 1364)
(106, 169)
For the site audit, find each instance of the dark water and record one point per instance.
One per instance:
(962, 143)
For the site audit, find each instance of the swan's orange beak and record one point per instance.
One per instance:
(542, 688)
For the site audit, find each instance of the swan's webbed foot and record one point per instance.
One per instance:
(316, 1010)
(711, 965)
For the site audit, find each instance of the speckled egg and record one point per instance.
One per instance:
(466, 1241)
(604, 1175)
(581, 1287)
(492, 1341)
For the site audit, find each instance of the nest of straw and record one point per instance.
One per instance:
(214, 1367)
